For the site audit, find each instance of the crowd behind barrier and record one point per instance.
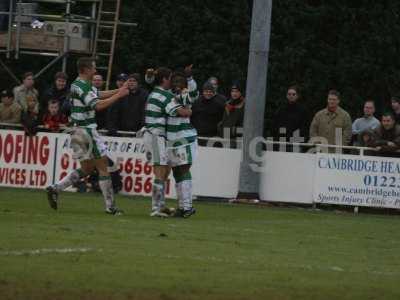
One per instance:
(213, 114)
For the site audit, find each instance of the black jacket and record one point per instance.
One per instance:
(292, 117)
(128, 113)
(62, 96)
(233, 118)
(207, 114)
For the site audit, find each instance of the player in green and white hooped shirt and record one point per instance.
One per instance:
(182, 142)
(87, 144)
(161, 105)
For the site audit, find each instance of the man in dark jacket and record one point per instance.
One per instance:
(128, 113)
(207, 112)
(233, 114)
(386, 138)
(60, 92)
(292, 118)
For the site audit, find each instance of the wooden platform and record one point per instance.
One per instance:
(37, 40)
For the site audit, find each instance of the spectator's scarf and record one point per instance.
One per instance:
(234, 104)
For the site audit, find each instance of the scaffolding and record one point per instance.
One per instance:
(61, 35)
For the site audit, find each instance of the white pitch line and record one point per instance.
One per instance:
(47, 251)
(246, 261)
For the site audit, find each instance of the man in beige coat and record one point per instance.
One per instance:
(10, 111)
(331, 125)
(26, 90)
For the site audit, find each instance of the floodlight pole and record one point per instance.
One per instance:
(253, 125)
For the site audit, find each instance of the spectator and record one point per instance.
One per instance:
(98, 82)
(10, 111)
(101, 116)
(215, 83)
(386, 138)
(149, 78)
(207, 113)
(331, 125)
(121, 78)
(30, 116)
(367, 123)
(396, 108)
(292, 118)
(128, 114)
(54, 119)
(59, 92)
(233, 114)
(25, 90)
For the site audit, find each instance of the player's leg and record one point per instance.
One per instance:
(115, 174)
(161, 174)
(184, 190)
(106, 187)
(80, 141)
(101, 162)
(157, 156)
(72, 178)
(182, 159)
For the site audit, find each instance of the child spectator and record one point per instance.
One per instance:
(10, 111)
(30, 116)
(54, 119)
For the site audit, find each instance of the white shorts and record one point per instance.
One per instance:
(182, 155)
(87, 144)
(156, 149)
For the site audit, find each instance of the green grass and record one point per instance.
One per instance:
(223, 252)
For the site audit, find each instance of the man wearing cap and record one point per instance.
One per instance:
(129, 113)
(121, 78)
(10, 111)
(215, 83)
(232, 119)
(207, 112)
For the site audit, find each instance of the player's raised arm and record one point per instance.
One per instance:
(104, 103)
(108, 94)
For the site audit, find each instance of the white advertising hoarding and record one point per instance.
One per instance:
(357, 180)
(36, 162)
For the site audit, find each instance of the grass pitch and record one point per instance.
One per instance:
(223, 252)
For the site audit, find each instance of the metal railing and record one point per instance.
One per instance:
(225, 141)
(319, 146)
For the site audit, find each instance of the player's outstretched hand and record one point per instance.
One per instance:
(184, 112)
(122, 92)
(125, 85)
